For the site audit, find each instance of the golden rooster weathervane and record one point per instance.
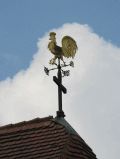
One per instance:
(68, 49)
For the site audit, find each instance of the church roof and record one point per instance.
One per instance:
(43, 138)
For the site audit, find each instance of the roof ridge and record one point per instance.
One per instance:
(86, 150)
(66, 125)
(32, 121)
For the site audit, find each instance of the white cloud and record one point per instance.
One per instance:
(92, 102)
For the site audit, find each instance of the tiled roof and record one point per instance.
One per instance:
(46, 138)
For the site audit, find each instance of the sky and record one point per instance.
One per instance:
(92, 103)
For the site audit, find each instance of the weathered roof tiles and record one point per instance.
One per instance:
(46, 138)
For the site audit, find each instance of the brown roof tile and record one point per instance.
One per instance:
(46, 138)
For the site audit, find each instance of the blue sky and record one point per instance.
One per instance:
(22, 22)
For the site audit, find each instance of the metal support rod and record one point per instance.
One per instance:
(52, 69)
(60, 112)
(59, 89)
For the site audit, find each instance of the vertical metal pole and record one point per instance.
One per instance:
(60, 112)
(59, 88)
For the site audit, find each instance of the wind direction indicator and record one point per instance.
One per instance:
(68, 49)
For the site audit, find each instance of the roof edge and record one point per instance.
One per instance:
(67, 126)
(35, 120)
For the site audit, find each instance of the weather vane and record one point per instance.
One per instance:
(68, 50)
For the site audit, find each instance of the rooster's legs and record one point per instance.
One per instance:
(62, 59)
(53, 60)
